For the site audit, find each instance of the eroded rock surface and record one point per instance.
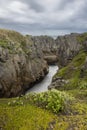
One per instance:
(68, 47)
(21, 63)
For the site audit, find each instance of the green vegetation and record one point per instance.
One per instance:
(81, 38)
(11, 35)
(13, 48)
(19, 113)
(15, 42)
(73, 67)
(53, 100)
(28, 112)
(3, 43)
(72, 72)
(24, 117)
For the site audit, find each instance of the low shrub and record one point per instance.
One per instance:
(53, 100)
(15, 102)
(83, 85)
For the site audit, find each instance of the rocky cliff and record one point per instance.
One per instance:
(21, 63)
(68, 47)
(23, 59)
(74, 74)
(48, 47)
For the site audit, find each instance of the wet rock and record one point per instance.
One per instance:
(58, 83)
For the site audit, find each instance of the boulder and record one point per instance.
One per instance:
(51, 59)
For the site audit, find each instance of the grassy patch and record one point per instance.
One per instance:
(27, 116)
(15, 42)
(73, 67)
(81, 38)
(72, 72)
(21, 115)
(4, 44)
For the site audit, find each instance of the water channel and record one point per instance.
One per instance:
(43, 85)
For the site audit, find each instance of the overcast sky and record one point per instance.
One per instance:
(44, 17)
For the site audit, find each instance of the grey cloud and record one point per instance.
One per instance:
(34, 5)
(64, 3)
(38, 20)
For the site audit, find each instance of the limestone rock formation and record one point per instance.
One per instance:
(24, 59)
(21, 63)
(48, 47)
(68, 47)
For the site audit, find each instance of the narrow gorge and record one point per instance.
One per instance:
(43, 85)
(24, 60)
(43, 82)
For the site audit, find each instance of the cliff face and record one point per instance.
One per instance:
(48, 47)
(21, 63)
(68, 47)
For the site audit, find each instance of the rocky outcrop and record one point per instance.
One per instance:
(58, 83)
(46, 44)
(51, 59)
(48, 47)
(72, 59)
(21, 63)
(68, 47)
